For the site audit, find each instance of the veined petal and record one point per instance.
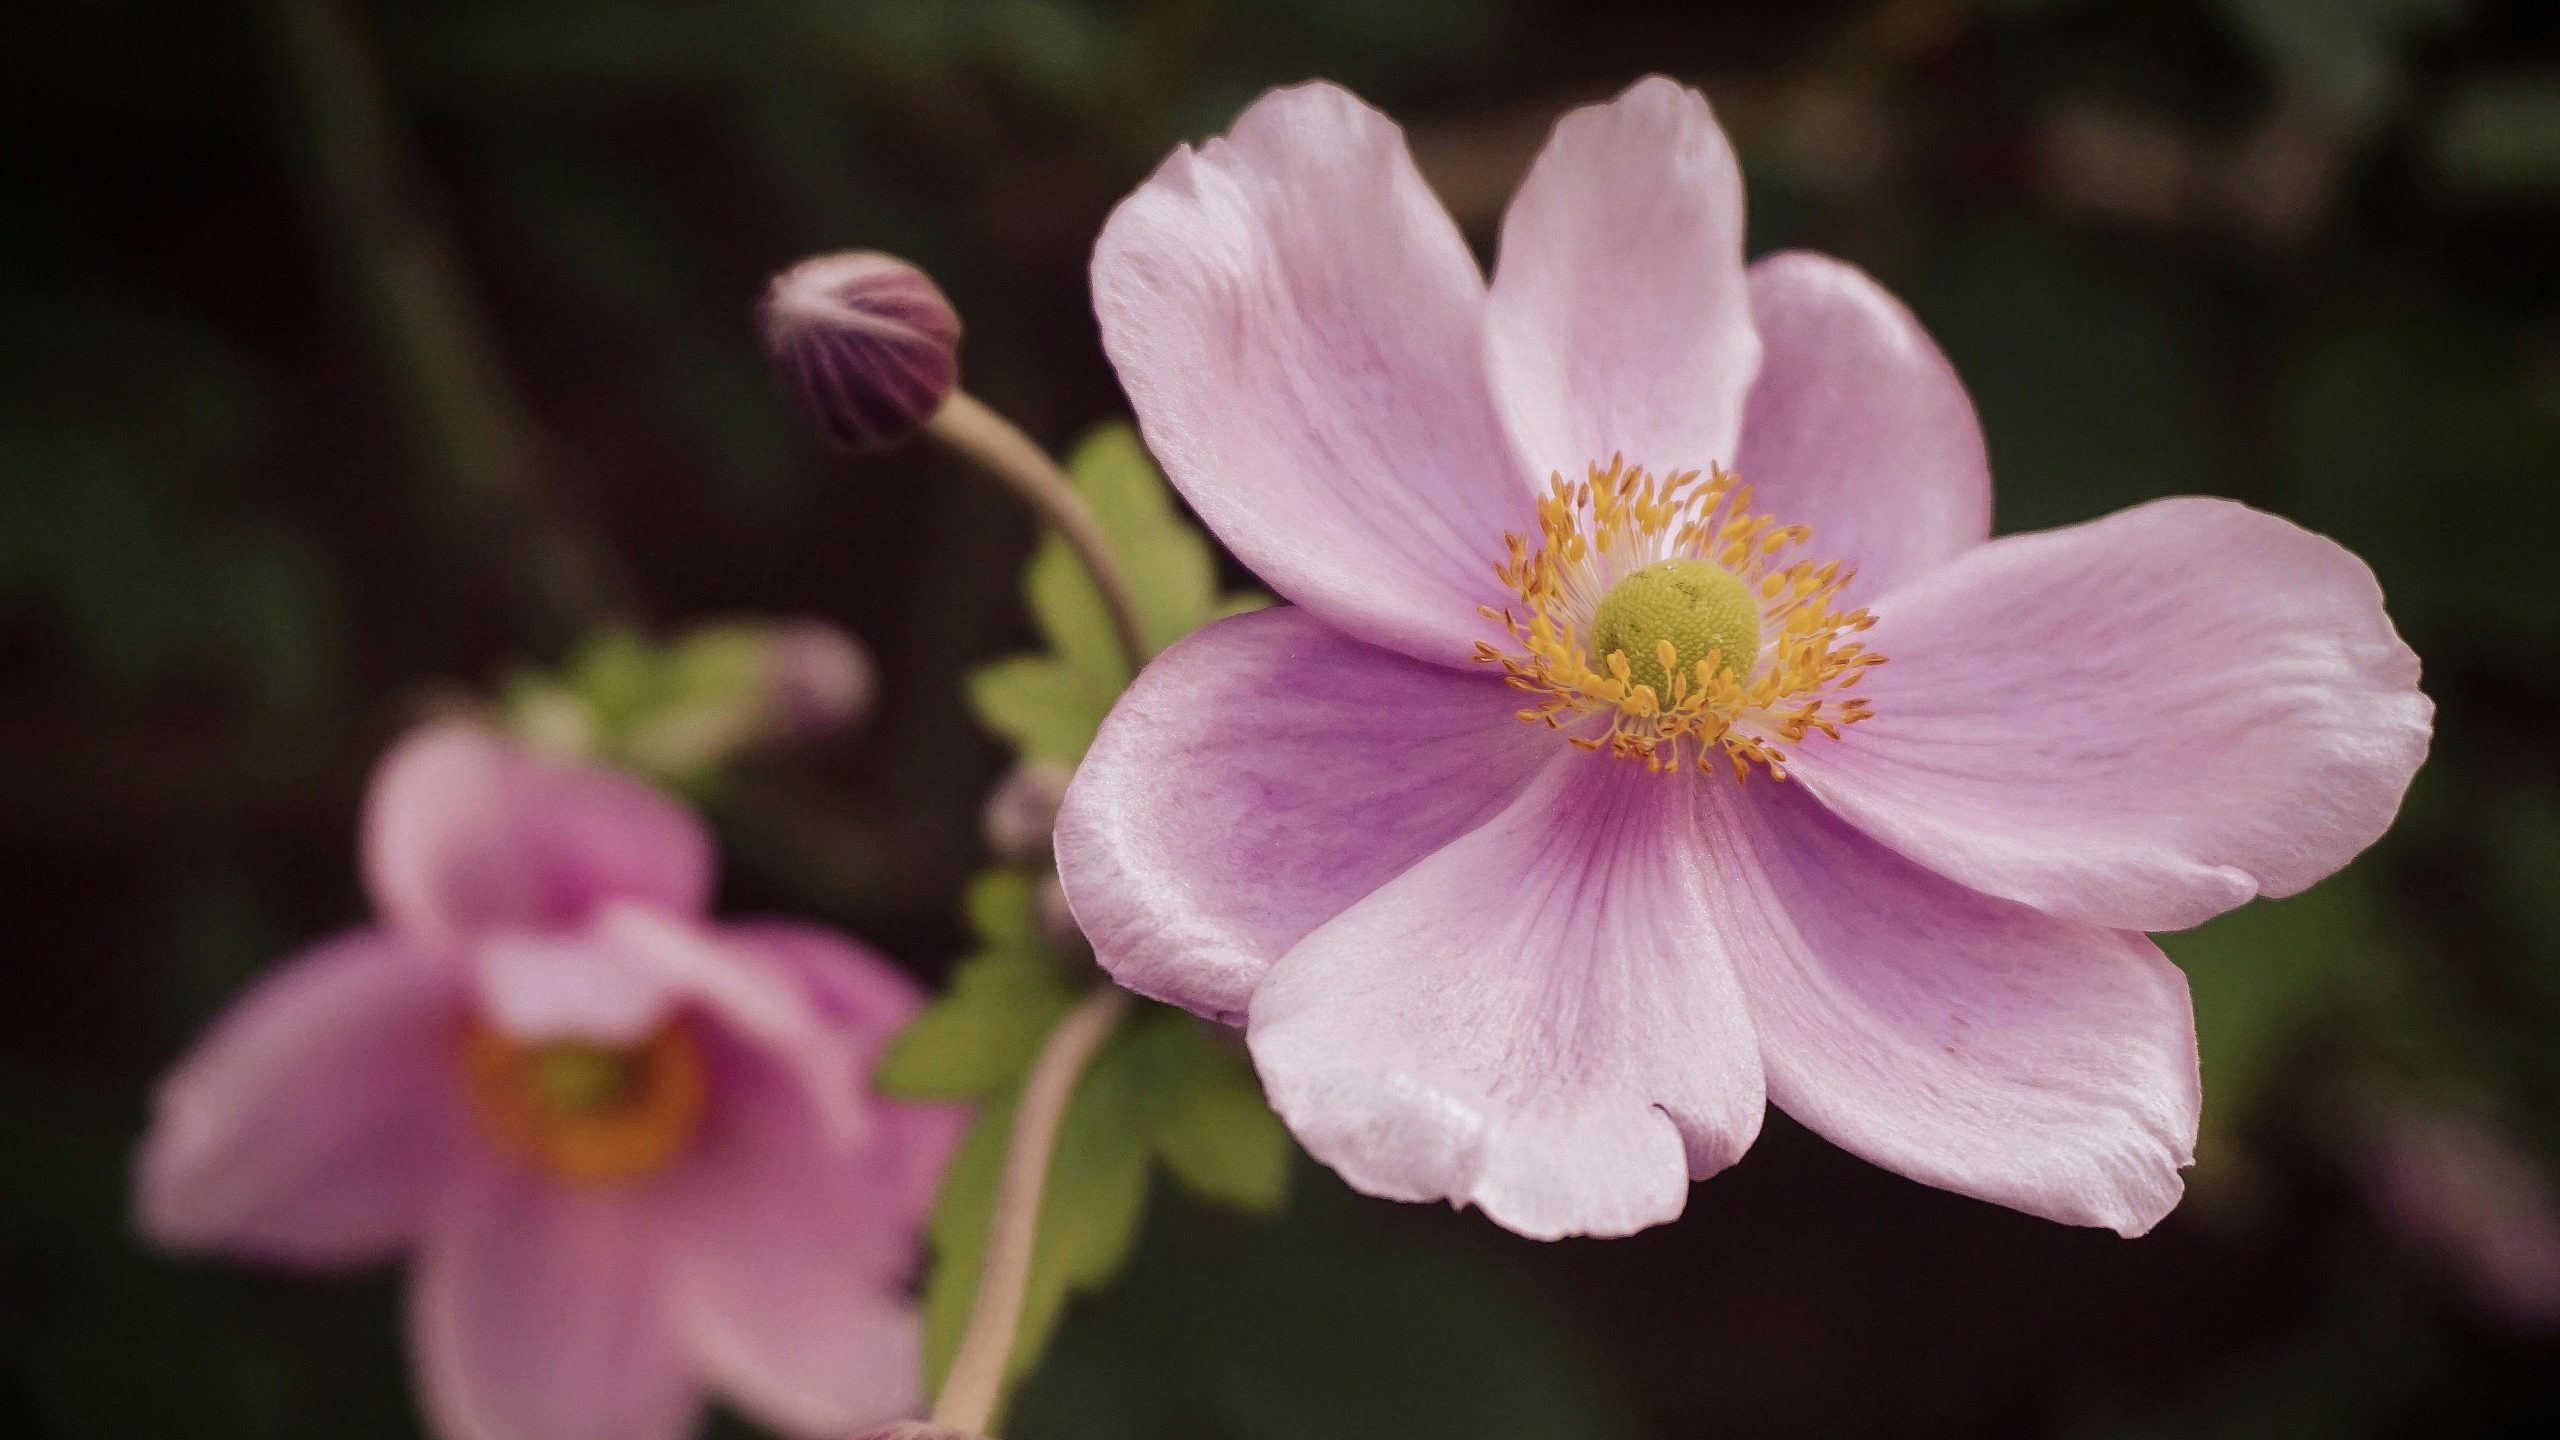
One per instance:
(1620, 322)
(1298, 325)
(535, 1315)
(310, 1125)
(1859, 427)
(1536, 1020)
(2139, 722)
(787, 1264)
(1261, 777)
(1962, 1040)
(465, 832)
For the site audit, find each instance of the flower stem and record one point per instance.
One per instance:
(966, 424)
(970, 1391)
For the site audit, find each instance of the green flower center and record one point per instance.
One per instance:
(1696, 606)
(577, 1078)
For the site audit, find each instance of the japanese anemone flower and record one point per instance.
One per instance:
(1655, 730)
(631, 1152)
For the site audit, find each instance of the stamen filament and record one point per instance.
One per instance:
(1619, 519)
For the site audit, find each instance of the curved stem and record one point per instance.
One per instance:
(966, 424)
(970, 1391)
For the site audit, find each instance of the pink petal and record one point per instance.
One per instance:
(788, 1256)
(1620, 322)
(1298, 326)
(1859, 427)
(861, 991)
(1261, 777)
(581, 986)
(465, 832)
(309, 1125)
(1964, 1041)
(1535, 1020)
(754, 997)
(535, 1314)
(866, 998)
(2138, 722)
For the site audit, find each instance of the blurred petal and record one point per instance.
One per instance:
(1259, 778)
(466, 832)
(1535, 1020)
(309, 1125)
(1619, 322)
(867, 999)
(535, 1314)
(2139, 722)
(1964, 1041)
(1299, 327)
(753, 998)
(788, 1258)
(1859, 427)
(544, 987)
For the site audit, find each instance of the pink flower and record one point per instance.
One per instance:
(2461, 1187)
(631, 1151)
(1483, 842)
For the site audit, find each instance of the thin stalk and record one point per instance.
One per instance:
(1000, 448)
(970, 1392)
(481, 448)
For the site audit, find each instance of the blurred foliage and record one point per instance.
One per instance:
(678, 712)
(1322, 1326)
(2295, 251)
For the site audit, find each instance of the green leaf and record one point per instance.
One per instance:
(1047, 708)
(982, 1035)
(1003, 908)
(1050, 705)
(1171, 571)
(1206, 1115)
(1089, 1212)
(615, 673)
(1243, 602)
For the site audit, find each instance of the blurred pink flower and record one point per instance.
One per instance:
(1556, 969)
(2464, 1190)
(631, 1151)
(818, 679)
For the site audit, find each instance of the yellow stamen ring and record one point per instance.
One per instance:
(586, 1112)
(1703, 640)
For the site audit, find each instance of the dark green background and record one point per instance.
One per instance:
(259, 503)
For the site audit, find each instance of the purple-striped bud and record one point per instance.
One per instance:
(866, 340)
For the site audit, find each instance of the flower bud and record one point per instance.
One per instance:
(867, 341)
(1023, 811)
(818, 679)
(915, 1430)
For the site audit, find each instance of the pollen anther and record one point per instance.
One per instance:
(1670, 709)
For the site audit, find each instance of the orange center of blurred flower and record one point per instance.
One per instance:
(588, 1112)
